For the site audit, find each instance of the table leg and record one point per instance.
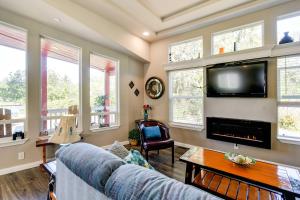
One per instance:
(44, 154)
(188, 173)
(288, 196)
(197, 170)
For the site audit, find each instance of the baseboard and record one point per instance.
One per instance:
(180, 144)
(20, 167)
(108, 146)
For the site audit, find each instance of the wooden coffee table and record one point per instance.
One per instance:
(203, 166)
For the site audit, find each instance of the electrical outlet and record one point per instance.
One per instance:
(21, 155)
(235, 146)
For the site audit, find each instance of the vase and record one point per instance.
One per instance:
(286, 38)
(146, 116)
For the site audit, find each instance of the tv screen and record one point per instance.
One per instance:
(238, 80)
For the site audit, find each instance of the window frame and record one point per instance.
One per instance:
(182, 42)
(282, 17)
(25, 119)
(117, 113)
(281, 103)
(79, 116)
(189, 126)
(260, 22)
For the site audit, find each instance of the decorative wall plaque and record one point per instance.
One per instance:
(154, 87)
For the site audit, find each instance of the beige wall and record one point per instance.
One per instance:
(130, 69)
(256, 109)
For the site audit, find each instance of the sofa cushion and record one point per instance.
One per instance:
(138, 183)
(92, 164)
(152, 132)
(135, 157)
(119, 150)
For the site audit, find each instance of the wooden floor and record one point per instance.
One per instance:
(32, 184)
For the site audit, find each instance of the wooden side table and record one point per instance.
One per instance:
(43, 143)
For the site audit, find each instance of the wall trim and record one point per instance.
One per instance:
(20, 167)
(180, 144)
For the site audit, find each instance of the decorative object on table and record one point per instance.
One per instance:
(286, 38)
(136, 92)
(6, 128)
(131, 84)
(234, 46)
(119, 150)
(134, 137)
(154, 87)
(240, 159)
(221, 50)
(66, 131)
(146, 109)
(135, 157)
(73, 110)
(18, 134)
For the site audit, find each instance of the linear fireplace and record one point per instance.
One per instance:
(252, 133)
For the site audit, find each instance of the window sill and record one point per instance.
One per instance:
(6, 142)
(186, 126)
(289, 140)
(95, 130)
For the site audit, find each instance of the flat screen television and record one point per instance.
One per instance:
(237, 80)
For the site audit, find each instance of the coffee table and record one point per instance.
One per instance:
(268, 176)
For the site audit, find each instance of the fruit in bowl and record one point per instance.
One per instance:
(240, 159)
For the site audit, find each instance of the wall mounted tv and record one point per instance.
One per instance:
(237, 80)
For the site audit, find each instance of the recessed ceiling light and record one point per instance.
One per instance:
(56, 19)
(146, 33)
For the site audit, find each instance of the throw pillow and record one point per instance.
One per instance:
(152, 132)
(119, 150)
(136, 158)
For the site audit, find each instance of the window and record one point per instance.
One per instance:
(239, 38)
(104, 95)
(288, 72)
(186, 50)
(59, 82)
(291, 24)
(186, 97)
(12, 80)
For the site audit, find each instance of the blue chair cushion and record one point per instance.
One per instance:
(152, 132)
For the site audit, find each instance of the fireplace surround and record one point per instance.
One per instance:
(238, 131)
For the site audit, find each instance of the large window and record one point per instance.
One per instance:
(104, 95)
(12, 80)
(291, 24)
(186, 50)
(239, 38)
(186, 97)
(288, 72)
(59, 82)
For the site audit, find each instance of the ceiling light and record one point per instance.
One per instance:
(146, 33)
(56, 19)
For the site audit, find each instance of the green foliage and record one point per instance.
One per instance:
(13, 88)
(100, 103)
(287, 122)
(134, 134)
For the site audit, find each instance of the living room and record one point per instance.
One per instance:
(191, 68)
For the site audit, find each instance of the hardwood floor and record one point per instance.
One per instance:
(32, 184)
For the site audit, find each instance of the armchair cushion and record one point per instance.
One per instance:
(152, 132)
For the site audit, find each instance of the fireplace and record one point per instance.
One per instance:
(252, 133)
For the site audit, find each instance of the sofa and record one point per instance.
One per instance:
(87, 172)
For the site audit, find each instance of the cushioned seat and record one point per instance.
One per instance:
(162, 144)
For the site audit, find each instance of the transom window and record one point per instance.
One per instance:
(186, 97)
(12, 80)
(59, 82)
(186, 50)
(239, 38)
(288, 72)
(291, 24)
(104, 96)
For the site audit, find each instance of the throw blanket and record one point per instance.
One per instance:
(92, 164)
(138, 183)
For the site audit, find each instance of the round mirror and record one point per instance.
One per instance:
(154, 87)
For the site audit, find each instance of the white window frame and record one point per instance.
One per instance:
(282, 138)
(79, 116)
(196, 127)
(282, 17)
(8, 141)
(261, 22)
(117, 113)
(182, 42)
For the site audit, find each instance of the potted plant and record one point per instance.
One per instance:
(134, 137)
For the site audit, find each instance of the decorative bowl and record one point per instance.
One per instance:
(240, 159)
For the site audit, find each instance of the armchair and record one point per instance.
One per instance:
(155, 144)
